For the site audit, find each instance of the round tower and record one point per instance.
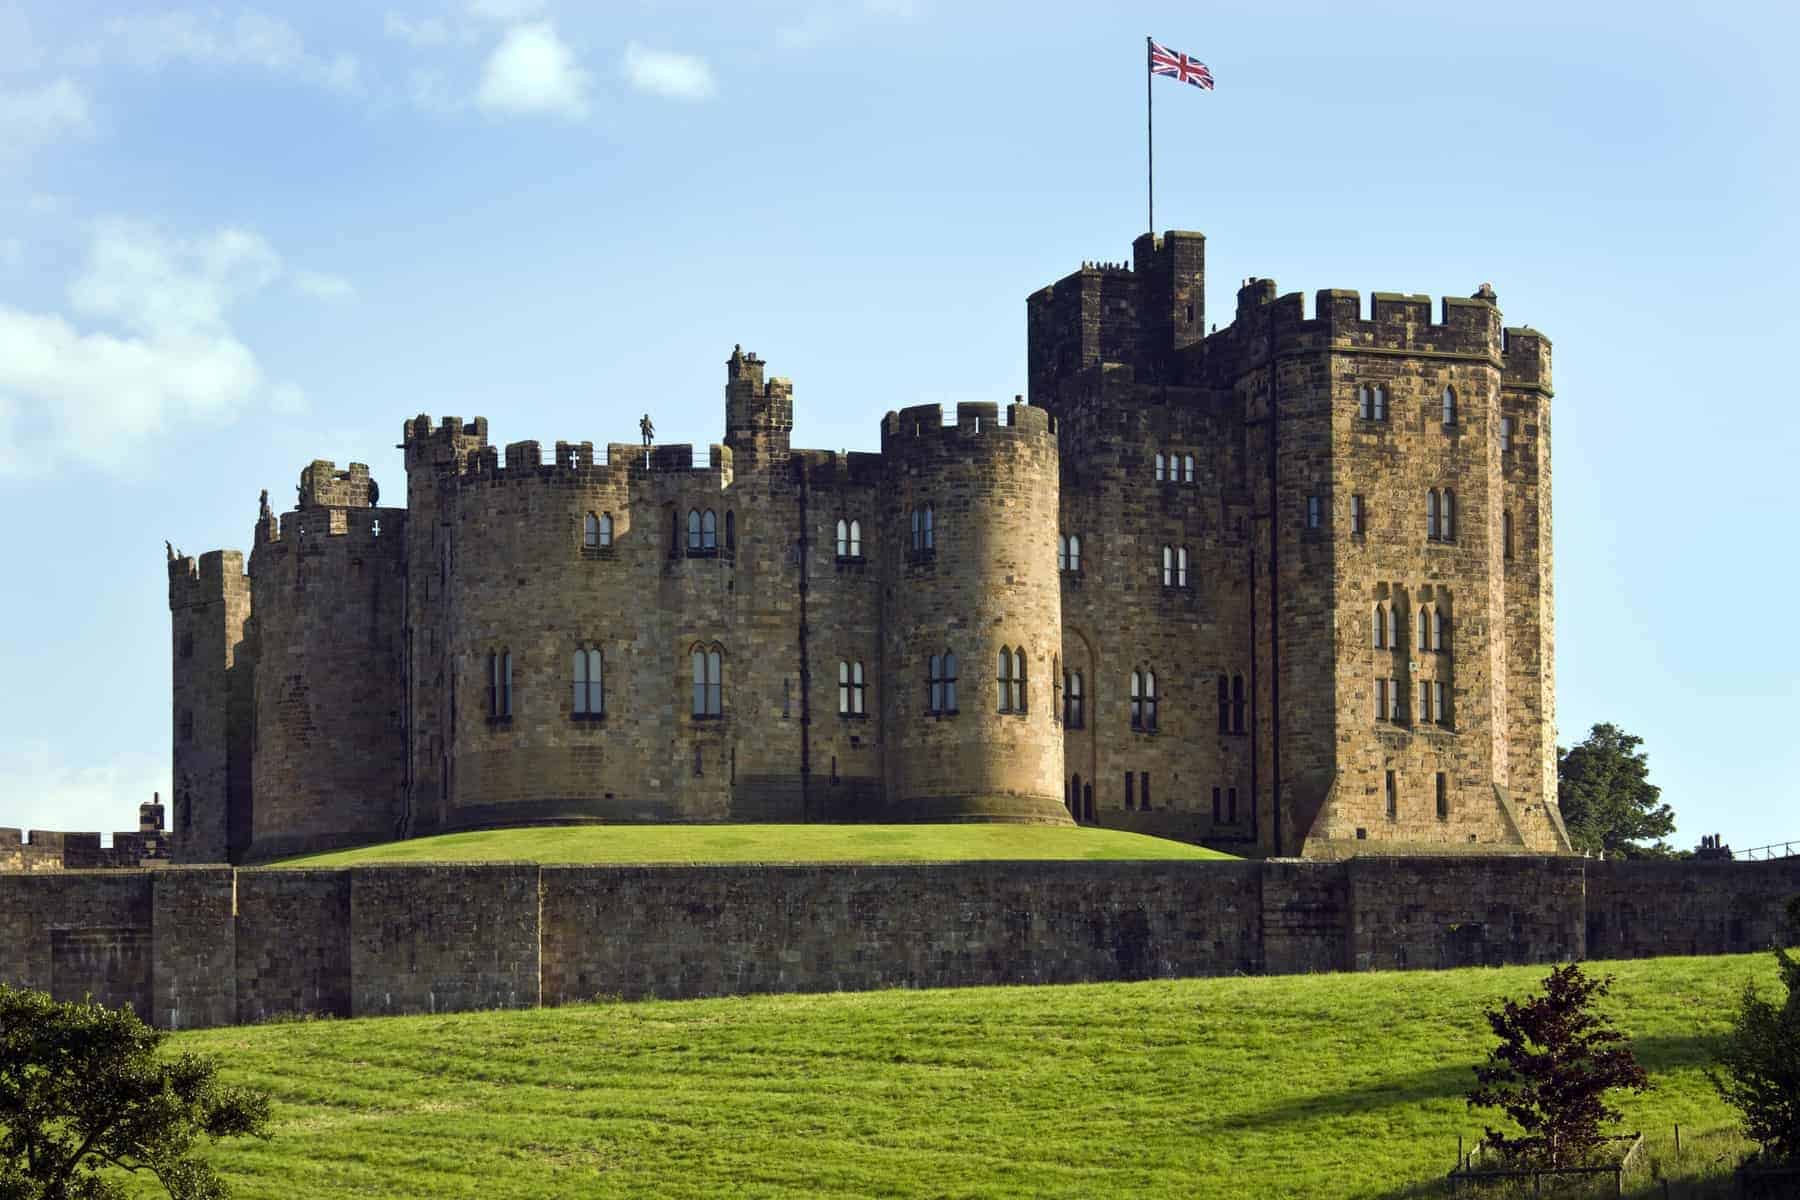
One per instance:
(327, 586)
(969, 543)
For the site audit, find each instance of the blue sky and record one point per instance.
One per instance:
(236, 239)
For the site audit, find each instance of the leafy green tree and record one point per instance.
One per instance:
(1759, 1065)
(1556, 1061)
(85, 1099)
(1608, 802)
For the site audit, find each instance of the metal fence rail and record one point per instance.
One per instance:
(1766, 853)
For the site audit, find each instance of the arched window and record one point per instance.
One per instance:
(1187, 468)
(1181, 566)
(1449, 519)
(1237, 704)
(709, 689)
(693, 532)
(1062, 551)
(606, 529)
(1365, 402)
(1075, 552)
(1393, 629)
(1431, 515)
(730, 529)
(1072, 699)
(1159, 466)
(589, 679)
(1150, 701)
(1378, 627)
(1437, 629)
(1424, 628)
(843, 538)
(1168, 566)
(500, 694)
(1137, 699)
(1449, 405)
(590, 531)
(1441, 713)
(1224, 705)
(1010, 675)
(856, 539)
(1381, 399)
(709, 530)
(923, 537)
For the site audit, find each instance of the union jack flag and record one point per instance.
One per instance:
(1179, 67)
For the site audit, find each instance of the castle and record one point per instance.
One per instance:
(1284, 588)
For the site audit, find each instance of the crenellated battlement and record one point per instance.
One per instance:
(194, 582)
(1526, 360)
(359, 531)
(449, 442)
(924, 425)
(830, 469)
(322, 485)
(1394, 320)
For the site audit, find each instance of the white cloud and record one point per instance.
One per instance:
(248, 39)
(505, 12)
(37, 116)
(321, 286)
(425, 32)
(75, 798)
(533, 71)
(167, 354)
(661, 73)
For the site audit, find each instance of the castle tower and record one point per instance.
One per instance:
(434, 457)
(328, 585)
(209, 607)
(759, 415)
(977, 578)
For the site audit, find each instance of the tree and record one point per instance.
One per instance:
(1608, 802)
(1759, 1065)
(1556, 1061)
(84, 1096)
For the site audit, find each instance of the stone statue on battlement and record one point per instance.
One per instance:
(647, 428)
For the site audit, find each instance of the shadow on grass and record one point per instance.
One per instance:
(1451, 1081)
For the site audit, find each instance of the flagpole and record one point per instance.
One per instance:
(1150, 137)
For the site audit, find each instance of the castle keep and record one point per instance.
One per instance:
(1284, 587)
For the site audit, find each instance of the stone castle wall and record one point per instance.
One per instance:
(195, 946)
(342, 691)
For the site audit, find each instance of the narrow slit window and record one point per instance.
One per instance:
(590, 531)
(1431, 515)
(1449, 405)
(1187, 468)
(1168, 566)
(1393, 796)
(1443, 797)
(606, 529)
(855, 539)
(1357, 521)
(1237, 704)
(1160, 468)
(1224, 705)
(709, 530)
(1181, 566)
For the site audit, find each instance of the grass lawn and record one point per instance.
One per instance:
(1321, 1085)
(766, 844)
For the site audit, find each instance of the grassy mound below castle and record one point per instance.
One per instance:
(1322, 1085)
(766, 844)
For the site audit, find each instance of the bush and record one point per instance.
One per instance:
(1556, 1061)
(1759, 1066)
(84, 1097)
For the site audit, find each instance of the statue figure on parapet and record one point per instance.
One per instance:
(647, 428)
(263, 502)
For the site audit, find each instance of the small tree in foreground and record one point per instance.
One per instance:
(1759, 1066)
(84, 1096)
(1556, 1061)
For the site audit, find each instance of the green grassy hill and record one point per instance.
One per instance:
(767, 844)
(1324, 1085)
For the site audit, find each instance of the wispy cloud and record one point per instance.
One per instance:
(321, 286)
(36, 116)
(534, 72)
(149, 345)
(248, 40)
(823, 23)
(663, 73)
(49, 793)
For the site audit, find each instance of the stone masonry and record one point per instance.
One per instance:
(196, 946)
(1192, 587)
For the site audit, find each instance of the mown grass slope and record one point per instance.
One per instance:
(767, 844)
(1327, 1085)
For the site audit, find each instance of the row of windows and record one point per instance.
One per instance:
(1434, 707)
(1441, 790)
(703, 531)
(1384, 627)
(924, 531)
(587, 676)
(1175, 566)
(1174, 468)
